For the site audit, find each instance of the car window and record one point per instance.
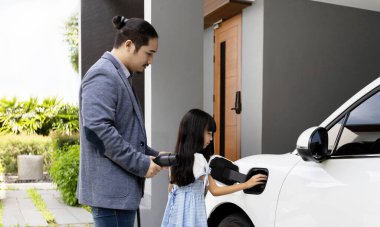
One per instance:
(360, 130)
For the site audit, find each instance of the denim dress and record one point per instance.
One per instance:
(186, 204)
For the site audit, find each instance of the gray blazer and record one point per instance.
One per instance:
(113, 150)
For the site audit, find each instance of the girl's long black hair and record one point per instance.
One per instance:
(190, 141)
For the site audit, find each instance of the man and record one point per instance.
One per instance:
(115, 158)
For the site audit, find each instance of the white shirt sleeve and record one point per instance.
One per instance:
(200, 166)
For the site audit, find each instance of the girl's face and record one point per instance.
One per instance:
(207, 138)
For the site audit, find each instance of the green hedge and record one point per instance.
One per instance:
(65, 168)
(62, 141)
(13, 145)
(64, 172)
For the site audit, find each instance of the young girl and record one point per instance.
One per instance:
(186, 204)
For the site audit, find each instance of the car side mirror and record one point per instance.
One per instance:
(312, 144)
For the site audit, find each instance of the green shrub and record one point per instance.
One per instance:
(61, 141)
(13, 145)
(65, 168)
(64, 172)
(38, 117)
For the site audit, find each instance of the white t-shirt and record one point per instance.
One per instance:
(200, 167)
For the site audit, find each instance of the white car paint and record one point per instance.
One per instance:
(280, 168)
(336, 192)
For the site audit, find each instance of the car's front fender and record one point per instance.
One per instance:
(259, 208)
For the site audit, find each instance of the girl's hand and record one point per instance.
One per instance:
(255, 180)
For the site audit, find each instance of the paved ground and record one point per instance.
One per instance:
(19, 210)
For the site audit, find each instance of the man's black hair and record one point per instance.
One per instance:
(137, 30)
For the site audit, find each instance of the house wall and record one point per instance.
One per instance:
(208, 70)
(252, 78)
(97, 32)
(176, 83)
(300, 61)
(316, 56)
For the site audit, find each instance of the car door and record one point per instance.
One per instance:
(343, 190)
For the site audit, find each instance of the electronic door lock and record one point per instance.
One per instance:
(237, 107)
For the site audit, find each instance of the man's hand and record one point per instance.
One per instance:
(153, 169)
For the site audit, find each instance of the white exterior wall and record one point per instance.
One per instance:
(175, 86)
(252, 78)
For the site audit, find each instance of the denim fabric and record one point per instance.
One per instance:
(104, 217)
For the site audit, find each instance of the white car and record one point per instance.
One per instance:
(332, 179)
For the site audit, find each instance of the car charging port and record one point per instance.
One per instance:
(258, 189)
(225, 171)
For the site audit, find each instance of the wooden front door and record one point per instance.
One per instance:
(227, 85)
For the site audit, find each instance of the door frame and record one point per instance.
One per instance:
(225, 25)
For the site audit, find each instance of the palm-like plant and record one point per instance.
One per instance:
(48, 110)
(67, 121)
(32, 117)
(6, 122)
(16, 117)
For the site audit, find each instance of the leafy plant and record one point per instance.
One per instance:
(71, 38)
(47, 110)
(66, 121)
(64, 173)
(34, 117)
(17, 117)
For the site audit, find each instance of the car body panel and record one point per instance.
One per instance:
(265, 203)
(332, 193)
(340, 191)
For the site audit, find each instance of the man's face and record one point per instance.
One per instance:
(138, 61)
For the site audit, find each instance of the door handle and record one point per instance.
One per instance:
(237, 107)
